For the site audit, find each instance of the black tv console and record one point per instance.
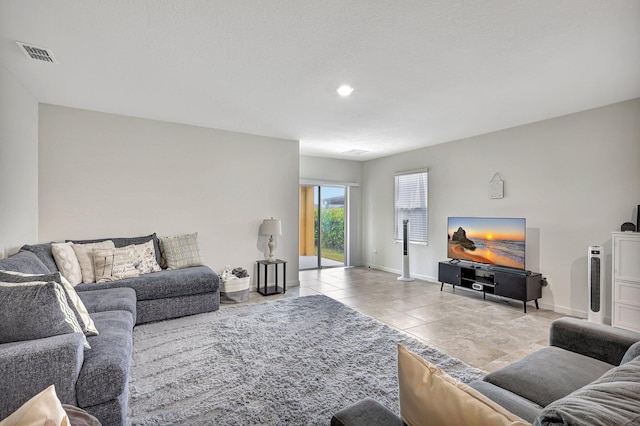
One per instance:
(525, 286)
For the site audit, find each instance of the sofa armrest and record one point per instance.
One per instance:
(598, 341)
(28, 367)
(366, 412)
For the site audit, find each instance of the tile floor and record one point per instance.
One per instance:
(486, 334)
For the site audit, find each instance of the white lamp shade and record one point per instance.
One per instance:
(271, 227)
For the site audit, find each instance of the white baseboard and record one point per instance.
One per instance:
(396, 271)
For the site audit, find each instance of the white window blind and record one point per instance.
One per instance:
(411, 190)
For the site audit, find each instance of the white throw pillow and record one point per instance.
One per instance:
(84, 253)
(114, 264)
(44, 409)
(146, 257)
(67, 262)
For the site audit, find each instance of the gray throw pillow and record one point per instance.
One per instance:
(35, 310)
(43, 251)
(24, 261)
(55, 277)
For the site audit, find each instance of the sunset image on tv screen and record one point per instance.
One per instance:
(495, 241)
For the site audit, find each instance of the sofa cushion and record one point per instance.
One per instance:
(42, 252)
(516, 404)
(74, 301)
(599, 341)
(181, 251)
(67, 262)
(33, 310)
(429, 396)
(112, 299)
(24, 261)
(163, 284)
(127, 241)
(105, 370)
(548, 374)
(613, 399)
(364, 413)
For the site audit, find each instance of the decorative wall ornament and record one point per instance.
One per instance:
(496, 187)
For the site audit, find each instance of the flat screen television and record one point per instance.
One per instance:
(489, 240)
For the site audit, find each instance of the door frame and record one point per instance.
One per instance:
(347, 212)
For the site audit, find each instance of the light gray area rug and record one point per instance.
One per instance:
(288, 362)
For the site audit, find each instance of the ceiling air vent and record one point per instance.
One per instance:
(37, 53)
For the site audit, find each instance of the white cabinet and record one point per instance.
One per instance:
(626, 280)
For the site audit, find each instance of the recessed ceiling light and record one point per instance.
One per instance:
(345, 90)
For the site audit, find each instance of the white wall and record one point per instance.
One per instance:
(105, 175)
(319, 170)
(574, 178)
(330, 169)
(18, 165)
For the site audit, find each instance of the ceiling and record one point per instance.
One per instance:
(424, 71)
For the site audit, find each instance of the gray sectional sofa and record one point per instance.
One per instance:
(589, 375)
(96, 379)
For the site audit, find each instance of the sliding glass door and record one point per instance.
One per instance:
(322, 226)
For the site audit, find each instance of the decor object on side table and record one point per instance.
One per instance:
(271, 227)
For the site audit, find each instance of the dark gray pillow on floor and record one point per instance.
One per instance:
(34, 310)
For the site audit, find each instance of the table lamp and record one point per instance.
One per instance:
(271, 227)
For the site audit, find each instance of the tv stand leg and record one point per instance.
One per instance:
(537, 307)
(484, 295)
(441, 285)
(524, 304)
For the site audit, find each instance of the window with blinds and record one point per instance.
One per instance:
(411, 192)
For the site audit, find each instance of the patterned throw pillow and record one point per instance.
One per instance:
(67, 262)
(35, 310)
(181, 251)
(114, 264)
(74, 301)
(146, 258)
(84, 253)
